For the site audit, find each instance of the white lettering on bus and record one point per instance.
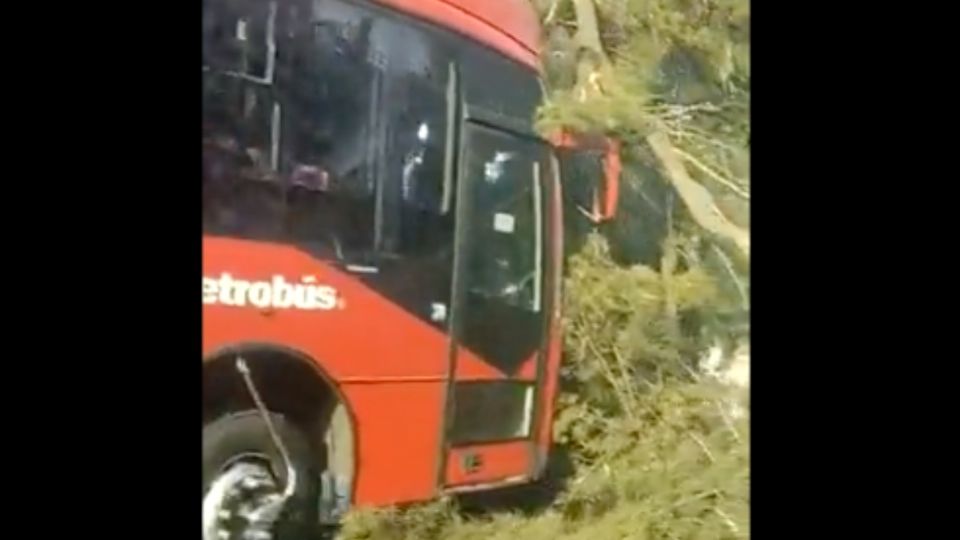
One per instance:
(278, 293)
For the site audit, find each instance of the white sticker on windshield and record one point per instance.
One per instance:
(504, 223)
(242, 30)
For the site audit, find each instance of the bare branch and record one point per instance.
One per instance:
(588, 28)
(696, 198)
(728, 265)
(728, 422)
(682, 111)
(703, 446)
(668, 263)
(552, 12)
(729, 522)
(679, 131)
(729, 184)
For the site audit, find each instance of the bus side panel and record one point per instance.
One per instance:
(363, 336)
(549, 396)
(516, 34)
(398, 440)
(390, 366)
(471, 367)
(498, 463)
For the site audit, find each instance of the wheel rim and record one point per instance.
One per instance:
(238, 504)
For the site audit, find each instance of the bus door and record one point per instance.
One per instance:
(499, 309)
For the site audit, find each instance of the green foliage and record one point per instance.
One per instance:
(414, 523)
(674, 468)
(682, 52)
(615, 331)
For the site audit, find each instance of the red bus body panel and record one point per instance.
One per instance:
(508, 26)
(390, 367)
(554, 351)
(502, 462)
(356, 346)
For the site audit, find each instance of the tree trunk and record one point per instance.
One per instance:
(588, 28)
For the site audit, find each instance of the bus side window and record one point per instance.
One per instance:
(236, 36)
(419, 145)
(328, 91)
(240, 188)
(242, 193)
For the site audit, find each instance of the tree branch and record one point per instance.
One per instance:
(695, 197)
(668, 264)
(729, 184)
(728, 266)
(588, 28)
(551, 13)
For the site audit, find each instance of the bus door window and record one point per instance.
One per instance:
(502, 246)
(505, 256)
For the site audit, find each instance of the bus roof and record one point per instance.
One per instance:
(509, 26)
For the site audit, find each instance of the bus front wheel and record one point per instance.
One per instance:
(244, 475)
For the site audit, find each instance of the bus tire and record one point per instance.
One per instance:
(244, 436)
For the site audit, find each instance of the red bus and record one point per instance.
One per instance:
(381, 257)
